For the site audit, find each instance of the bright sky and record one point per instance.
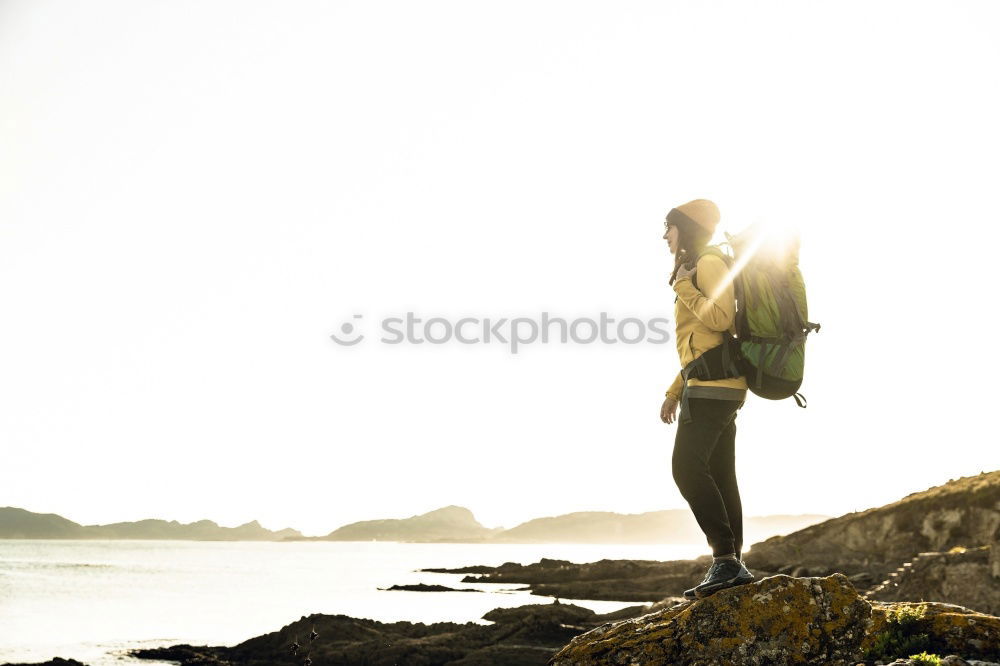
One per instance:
(195, 195)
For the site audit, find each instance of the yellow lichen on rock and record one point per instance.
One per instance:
(776, 620)
(957, 629)
(780, 618)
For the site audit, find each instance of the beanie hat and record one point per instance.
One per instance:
(702, 212)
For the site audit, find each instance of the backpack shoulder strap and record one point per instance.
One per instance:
(715, 251)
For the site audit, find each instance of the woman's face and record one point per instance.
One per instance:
(671, 235)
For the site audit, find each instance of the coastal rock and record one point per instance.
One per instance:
(961, 576)
(524, 636)
(962, 512)
(777, 620)
(423, 587)
(799, 620)
(611, 580)
(950, 628)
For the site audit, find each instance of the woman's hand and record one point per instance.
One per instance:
(668, 412)
(684, 272)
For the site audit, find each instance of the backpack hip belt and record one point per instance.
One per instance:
(719, 362)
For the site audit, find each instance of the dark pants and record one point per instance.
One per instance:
(704, 467)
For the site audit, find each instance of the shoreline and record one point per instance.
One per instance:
(525, 635)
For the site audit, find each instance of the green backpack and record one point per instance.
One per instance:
(771, 319)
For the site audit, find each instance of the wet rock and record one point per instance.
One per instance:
(189, 655)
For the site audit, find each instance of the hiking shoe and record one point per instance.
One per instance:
(722, 574)
(690, 593)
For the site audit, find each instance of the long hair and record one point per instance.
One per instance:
(691, 239)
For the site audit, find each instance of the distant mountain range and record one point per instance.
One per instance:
(457, 524)
(21, 524)
(450, 524)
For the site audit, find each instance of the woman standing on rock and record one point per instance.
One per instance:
(704, 461)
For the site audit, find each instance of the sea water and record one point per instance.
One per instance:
(93, 600)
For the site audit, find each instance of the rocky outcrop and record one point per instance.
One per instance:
(525, 636)
(948, 628)
(423, 587)
(777, 620)
(963, 512)
(962, 576)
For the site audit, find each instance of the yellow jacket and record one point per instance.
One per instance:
(702, 313)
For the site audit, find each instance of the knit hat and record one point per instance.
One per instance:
(702, 212)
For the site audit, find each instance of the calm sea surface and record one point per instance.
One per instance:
(91, 600)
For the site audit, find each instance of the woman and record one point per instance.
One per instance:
(704, 463)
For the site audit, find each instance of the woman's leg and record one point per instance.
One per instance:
(693, 448)
(722, 466)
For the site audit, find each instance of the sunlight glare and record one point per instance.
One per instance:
(773, 241)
